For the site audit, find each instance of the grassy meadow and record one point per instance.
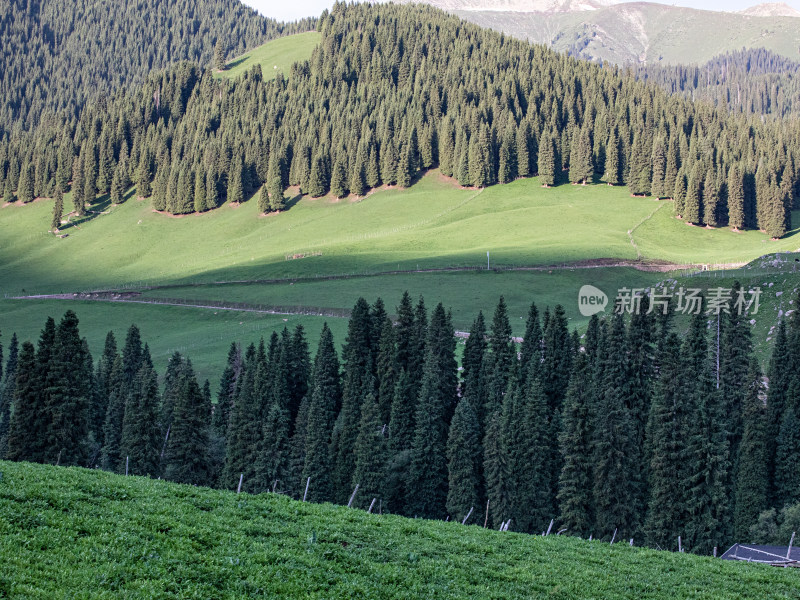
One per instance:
(110, 536)
(276, 56)
(432, 225)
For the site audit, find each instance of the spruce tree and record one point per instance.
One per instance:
(779, 376)
(667, 428)
(464, 455)
(658, 187)
(427, 478)
(581, 168)
(736, 214)
(707, 446)
(186, 459)
(787, 455)
(611, 174)
(25, 426)
(710, 199)
(114, 417)
(694, 197)
(297, 451)
(58, 210)
(547, 162)
(575, 500)
(326, 397)
(358, 382)
(235, 182)
(370, 451)
(67, 397)
(7, 390)
(751, 480)
(679, 193)
(275, 180)
(140, 442)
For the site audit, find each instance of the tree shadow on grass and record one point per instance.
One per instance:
(100, 205)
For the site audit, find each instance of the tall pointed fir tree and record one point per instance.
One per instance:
(751, 480)
(707, 447)
(370, 450)
(358, 383)
(575, 499)
(611, 172)
(326, 397)
(736, 213)
(67, 396)
(581, 168)
(273, 460)
(115, 414)
(7, 390)
(141, 437)
(464, 469)
(245, 427)
(297, 451)
(275, 179)
(547, 161)
(25, 423)
(667, 428)
(658, 187)
(102, 392)
(616, 489)
(779, 376)
(427, 478)
(694, 197)
(186, 459)
(787, 457)
(58, 210)
(710, 199)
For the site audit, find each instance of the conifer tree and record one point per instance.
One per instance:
(386, 368)
(235, 183)
(25, 185)
(529, 446)
(297, 451)
(736, 216)
(358, 383)
(708, 462)
(275, 180)
(370, 451)
(547, 162)
(474, 350)
(464, 468)
(78, 190)
(667, 429)
(672, 167)
(658, 187)
(7, 390)
(581, 168)
(779, 376)
(507, 165)
(143, 178)
(575, 500)
(427, 479)
(496, 470)
(25, 426)
(114, 417)
(751, 480)
(67, 396)
(186, 458)
(523, 149)
(219, 56)
(694, 197)
(58, 210)
(679, 193)
(611, 174)
(326, 398)
(389, 161)
(141, 438)
(200, 204)
(787, 454)
(710, 199)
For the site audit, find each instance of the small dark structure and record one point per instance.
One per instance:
(777, 556)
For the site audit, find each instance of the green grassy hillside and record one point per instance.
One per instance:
(433, 225)
(641, 31)
(162, 540)
(276, 56)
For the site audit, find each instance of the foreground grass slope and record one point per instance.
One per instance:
(89, 534)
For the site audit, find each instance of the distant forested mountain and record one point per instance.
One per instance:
(392, 90)
(749, 81)
(56, 54)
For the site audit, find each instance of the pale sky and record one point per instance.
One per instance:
(289, 10)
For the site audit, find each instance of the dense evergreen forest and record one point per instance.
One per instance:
(749, 81)
(392, 90)
(57, 54)
(626, 431)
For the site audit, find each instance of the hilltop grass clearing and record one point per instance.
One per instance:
(68, 532)
(276, 56)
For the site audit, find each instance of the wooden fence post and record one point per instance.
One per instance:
(613, 537)
(486, 520)
(308, 482)
(371, 504)
(241, 477)
(353, 496)
(464, 521)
